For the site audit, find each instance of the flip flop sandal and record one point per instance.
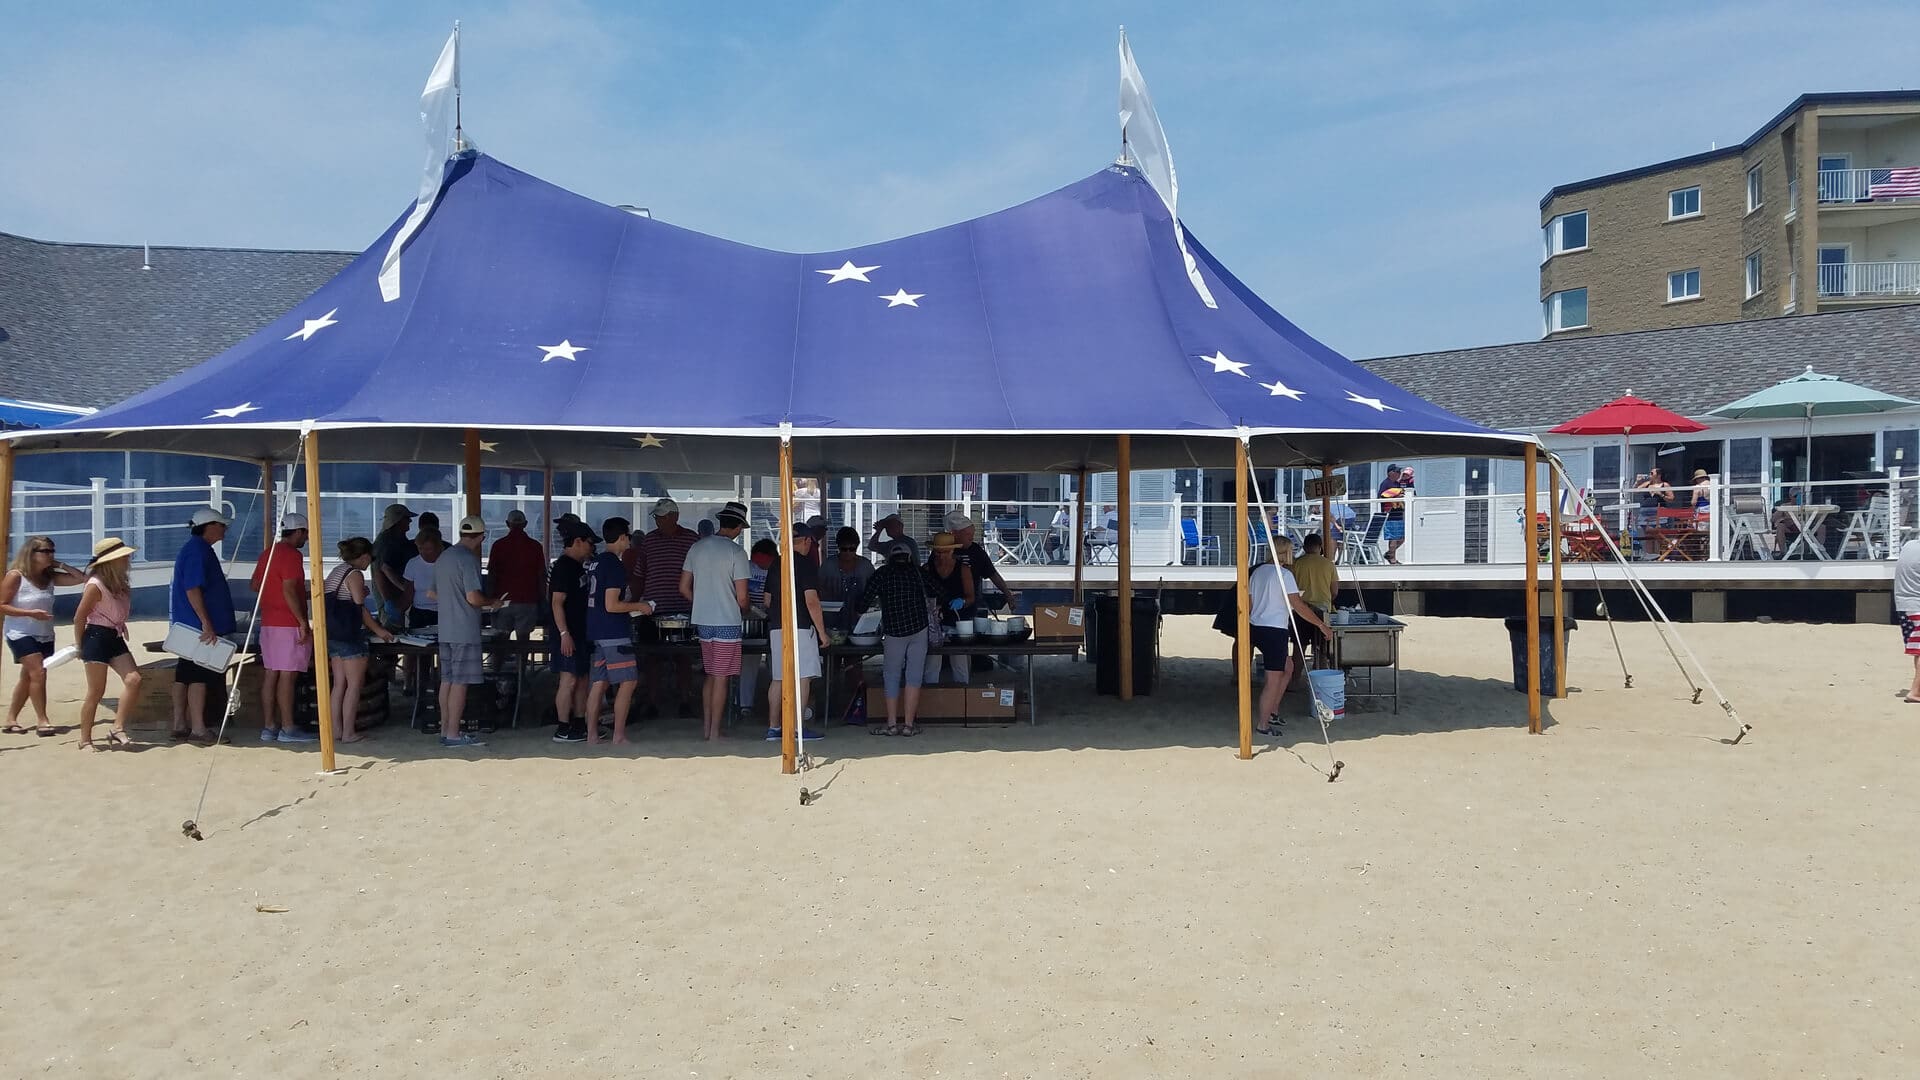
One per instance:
(879, 730)
(45, 732)
(119, 739)
(1268, 732)
(909, 731)
(13, 729)
(89, 748)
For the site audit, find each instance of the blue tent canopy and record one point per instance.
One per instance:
(564, 328)
(16, 414)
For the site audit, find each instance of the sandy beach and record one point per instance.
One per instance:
(1110, 893)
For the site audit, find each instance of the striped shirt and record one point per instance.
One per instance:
(663, 554)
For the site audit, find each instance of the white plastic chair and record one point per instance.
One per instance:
(1867, 528)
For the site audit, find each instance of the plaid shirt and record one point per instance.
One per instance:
(901, 591)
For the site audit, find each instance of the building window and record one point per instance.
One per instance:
(1754, 281)
(1565, 233)
(1683, 285)
(1565, 311)
(1753, 189)
(1684, 203)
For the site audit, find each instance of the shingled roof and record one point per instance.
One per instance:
(1537, 384)
(83, 324)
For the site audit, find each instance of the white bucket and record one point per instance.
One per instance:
(1330, 693)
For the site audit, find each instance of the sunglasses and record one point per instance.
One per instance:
(43, 551)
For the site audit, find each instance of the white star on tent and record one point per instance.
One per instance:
(1373, 403)
(314, 326)
(848, 272)
(566, 350)
(1276, 388)
(649, 440)
(233, 413)
(488, 447)
(1221, 363)
(903, 297)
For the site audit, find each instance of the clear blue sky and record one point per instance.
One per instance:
(1373, 171)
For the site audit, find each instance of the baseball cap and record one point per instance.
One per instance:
(667, 506)
(291, 522)
(735, 511)
(516, 517)
(207, 515)
(472, 525)
(899, 551)
(803, 528)
(1393, 468)
(816, 522)
(394, 515)
(957, 521)
(578, 530)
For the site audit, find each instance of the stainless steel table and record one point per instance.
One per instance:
(1369, 641)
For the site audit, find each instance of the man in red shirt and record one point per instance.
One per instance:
(517, 570)
(663, 554)
(286, 646)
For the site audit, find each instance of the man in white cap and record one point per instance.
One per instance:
(517, 573)
(392, 551)
(976, 558)
(889, 530)
(286, 634)
(456, 580)
(713, 585)
(662, 558)
(201, 600)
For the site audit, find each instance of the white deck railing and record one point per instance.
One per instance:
(1861, 185)
(1870, 279)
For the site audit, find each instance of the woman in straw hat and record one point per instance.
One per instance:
(100, 626)
(26, 599)
(950, 583)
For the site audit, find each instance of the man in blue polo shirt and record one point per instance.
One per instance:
(200, 600)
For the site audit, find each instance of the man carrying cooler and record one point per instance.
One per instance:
(199, 600)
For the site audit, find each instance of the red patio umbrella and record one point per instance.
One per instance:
(1625, 415)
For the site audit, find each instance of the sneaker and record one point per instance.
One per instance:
(461, 741)
(268, 735)
(773, 734)
(298, 736)
(810, 735)
(570, 733)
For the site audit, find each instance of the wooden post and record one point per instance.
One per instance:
(268, 536)
(1326, 522)
(789, 615)
(1123, 462)
(546, 514)
(473, 473)
(6, 498)
(1079, 539)
(1559, 595)
(317, 603)
(1243, 621)
(1532, 556)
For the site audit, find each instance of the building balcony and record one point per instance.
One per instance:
(1848, 187)
(1872, 281)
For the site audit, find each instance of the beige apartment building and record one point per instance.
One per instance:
(1819, 210)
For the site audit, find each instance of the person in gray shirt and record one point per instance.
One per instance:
(714, 580)
(1906, 601)
(457, 585)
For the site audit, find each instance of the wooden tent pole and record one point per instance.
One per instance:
(789, 615)
(6, 498)
(317, 602)
(267, 534)
(1243, 620)
(1123, 462)
(473, 472)
(1531, 552)
(1559, 595)
(1326, 518)
(1079, 541)
(546, 513)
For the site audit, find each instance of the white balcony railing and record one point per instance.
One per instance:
(1870, 280)
(1869, 185)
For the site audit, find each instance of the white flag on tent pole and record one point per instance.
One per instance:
(440, 121)
(1141, 133)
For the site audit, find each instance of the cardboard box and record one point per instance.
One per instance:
(936, 703)
(1059, 622)
(993, 703)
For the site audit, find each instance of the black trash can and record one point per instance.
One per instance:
(1103, 638)
(1517, 637)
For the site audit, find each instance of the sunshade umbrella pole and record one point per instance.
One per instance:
(1243, 619)
(472, 472)
(789, 628)
(316, 602)
(1533, 590)
(1326, 522)
(1123, 461)
(267, 518)
(1079, 540)
(546, 512)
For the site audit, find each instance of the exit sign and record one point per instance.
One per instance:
(1331, 487)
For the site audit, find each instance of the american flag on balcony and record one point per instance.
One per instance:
(1894, 183)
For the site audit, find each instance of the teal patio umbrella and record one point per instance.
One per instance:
(1810, 394)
